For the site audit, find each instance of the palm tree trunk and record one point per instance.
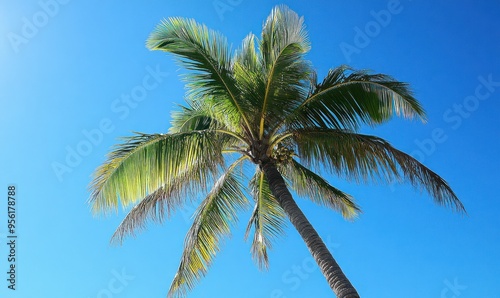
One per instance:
(339, 283)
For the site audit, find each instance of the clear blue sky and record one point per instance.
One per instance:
(75, 76)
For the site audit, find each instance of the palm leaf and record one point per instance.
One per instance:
(190, 118)
(347, 98)
(283, 44)
(145, 162)
(364, 157)
(154, 206)
(312, 186)
(249, 77)
(267, 219)
(205, 52)
(212, 223)
(247, 56)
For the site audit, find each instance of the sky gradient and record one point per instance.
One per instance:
(76, 75)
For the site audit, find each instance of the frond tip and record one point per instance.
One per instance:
(347, 98)
(211, 225)
(364, 158)
(310, 185)
(267, 220)
(146, 162)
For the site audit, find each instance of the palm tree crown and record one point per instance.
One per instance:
(261, 105)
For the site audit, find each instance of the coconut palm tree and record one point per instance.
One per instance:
(264, 106)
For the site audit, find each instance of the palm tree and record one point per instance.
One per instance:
(261, 105)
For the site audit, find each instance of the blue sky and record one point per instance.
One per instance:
(75, 76)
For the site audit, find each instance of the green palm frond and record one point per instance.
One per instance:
(346, 98)
(206, 53)
(146, 162)
(345, 153)
(283, 45)
(247, 56)
(267, 219)
(190, 119)
(310, 185)
(212, 223)
(154, 206)
(364, 157)
(247, 71)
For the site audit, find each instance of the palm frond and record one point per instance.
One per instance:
(247, 55)
(346, 98)
(312, 186)
(154, 206)
(283, 45)
(364, 157)
(247, 71)
(206, 53)
(146, 162)
(190, 119)
(267, 219)
(212, 223)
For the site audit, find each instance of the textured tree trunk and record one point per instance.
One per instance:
(339, 283)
